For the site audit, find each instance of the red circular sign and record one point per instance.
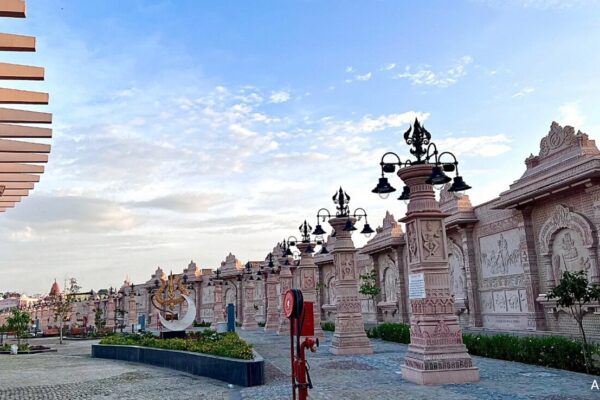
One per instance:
(288, 303)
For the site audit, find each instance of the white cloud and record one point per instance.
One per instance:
(525, 91)
(349, 69)
(485, 146)
(424, 75)
(364, 77)
(388, 67)
(280, 96)
(24, 235)
(570, 114)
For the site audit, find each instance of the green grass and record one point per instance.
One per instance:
(219, 344)
(328, 326)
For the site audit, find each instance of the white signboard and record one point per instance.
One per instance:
(416, 286)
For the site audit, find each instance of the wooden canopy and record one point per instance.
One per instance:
(20, 160)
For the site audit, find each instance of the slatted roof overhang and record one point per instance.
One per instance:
(572, 176)
(20, 160)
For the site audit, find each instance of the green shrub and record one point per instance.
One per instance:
(550, 351)
(261, 324)
(328, 326)
(202, 324)
(219, 344)
(391, 332)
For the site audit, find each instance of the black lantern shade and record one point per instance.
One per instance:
(349, 226)
(367, 229)
(459, 185)
(383, 188)
(437, 177)
(405, 193)
(319, 230)
(324, 249)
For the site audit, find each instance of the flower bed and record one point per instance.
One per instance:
(222, 356)
(208, 342)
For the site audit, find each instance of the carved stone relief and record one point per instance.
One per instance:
(458, 277)
(568, 253)
(431, 234)
(500, 255)
(412, 240)
(331, 291)
(230, 297)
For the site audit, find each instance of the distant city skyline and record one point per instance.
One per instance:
(187, 130)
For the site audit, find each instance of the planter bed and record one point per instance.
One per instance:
(230, 370)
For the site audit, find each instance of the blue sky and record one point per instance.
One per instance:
(185, 129)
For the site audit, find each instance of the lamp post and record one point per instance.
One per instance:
(286, 281)
(271, 281)
(349, 336)
(436, 354)
(249, 322)
(307, 271)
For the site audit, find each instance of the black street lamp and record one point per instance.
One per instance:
(425, 152)
(341, 200)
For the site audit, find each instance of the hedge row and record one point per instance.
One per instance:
(549, 351)
(218, 344)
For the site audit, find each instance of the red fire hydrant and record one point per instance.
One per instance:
(303, 382)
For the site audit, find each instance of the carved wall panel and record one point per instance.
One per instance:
(569, 253)
(458, 277)
(230, 297)
(432, 240)
(500, 255)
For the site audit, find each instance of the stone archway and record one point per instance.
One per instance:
(568, 242)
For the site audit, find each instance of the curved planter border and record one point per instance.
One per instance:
(230, 370)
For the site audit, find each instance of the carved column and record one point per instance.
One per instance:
(272, 319)
(110, 312)
(402, 294)
(535, 310)
(594, 191)
(436, 354)
(307, 271)
(349, 336)
(218, 309)
(285, 283)
(249, 321)
(468, 248)
(132, 311)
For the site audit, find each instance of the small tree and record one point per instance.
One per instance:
(573, 293)
(370, 288)
(99, 321)
(18, 323)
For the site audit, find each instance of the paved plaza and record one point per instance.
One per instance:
(72, 374)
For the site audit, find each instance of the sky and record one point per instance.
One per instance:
(185, 130)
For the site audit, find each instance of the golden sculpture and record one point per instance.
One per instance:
(167, 294)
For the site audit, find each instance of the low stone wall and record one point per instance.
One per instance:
(230, 370)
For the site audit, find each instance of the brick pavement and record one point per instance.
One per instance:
(377, 376)
(73, 374)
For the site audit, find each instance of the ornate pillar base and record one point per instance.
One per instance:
(349, 336)
(249, 322)
(272, 319)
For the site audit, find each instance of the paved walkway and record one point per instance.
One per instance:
(73, 374)
(378, 377)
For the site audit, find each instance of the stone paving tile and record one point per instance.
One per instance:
(73, 374)
(377, 376)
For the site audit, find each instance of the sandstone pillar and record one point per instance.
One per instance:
(249, 321)
(468, 248)
(436, 354)
(110, 313)
(307, 271)
(349, 336)
(132, 311)
(535, 318)
(218, 310)
(285, 283)
(272, 319)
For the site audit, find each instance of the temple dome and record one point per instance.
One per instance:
(55, 289)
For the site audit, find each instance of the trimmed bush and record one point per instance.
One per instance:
(550, 351)
(218, 344)
(392, 332)
(328, 326)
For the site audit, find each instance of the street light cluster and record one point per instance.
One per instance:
(426, 152)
